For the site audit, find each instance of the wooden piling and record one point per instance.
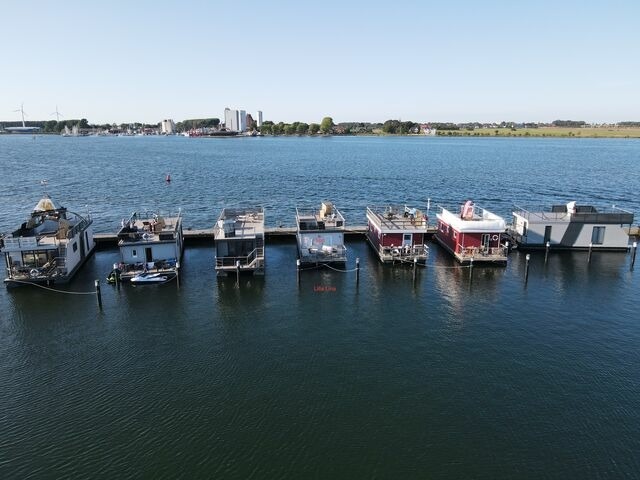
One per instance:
(590, 250)
(633, 254)
(357, 271)
(546, 252)
(298, 271)
(98, 294)
(526, 268)
(415, 269)
(238, 272)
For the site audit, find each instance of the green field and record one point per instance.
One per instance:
(599, 132)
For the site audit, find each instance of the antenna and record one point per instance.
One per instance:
(23, 114)
(57, 114)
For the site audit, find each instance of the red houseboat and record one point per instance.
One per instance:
(397, 233)
(472, 233)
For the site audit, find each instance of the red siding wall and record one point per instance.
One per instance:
(389, 239)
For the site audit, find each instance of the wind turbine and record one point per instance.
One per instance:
(57, 114)
(23, 114)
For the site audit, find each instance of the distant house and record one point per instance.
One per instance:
(426, 129)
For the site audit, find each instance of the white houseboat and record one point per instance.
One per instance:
(472, 233)
(397, 234)
(239, 239)
(49, 247)
(320, 235)
(572, 227)
(150, 246)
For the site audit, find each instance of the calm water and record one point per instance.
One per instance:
(447, 377)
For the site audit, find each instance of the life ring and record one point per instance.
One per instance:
(34, 272)
(494, 238)
(146, 236)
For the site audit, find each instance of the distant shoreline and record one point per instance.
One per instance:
(541, 132)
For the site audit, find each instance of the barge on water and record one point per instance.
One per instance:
(571, 227)
(49, 247)
(239, 240)
(320, 235)
(397, 234)
(149, 244)
(472, 233)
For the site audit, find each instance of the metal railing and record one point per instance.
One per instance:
(407, 251)
(480, 252)
(246, 261)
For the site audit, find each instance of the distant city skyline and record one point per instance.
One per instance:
(354, 61)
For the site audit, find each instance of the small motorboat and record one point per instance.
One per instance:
(114, 275)
(149, 278)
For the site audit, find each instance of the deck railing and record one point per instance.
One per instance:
(407, 251)
(246, 261)
(397, 219)
(479, 252)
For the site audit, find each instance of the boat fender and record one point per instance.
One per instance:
(495, 237)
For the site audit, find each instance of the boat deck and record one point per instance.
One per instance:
(397, 219)
(239, 223)
(149, 228)
(326, 218)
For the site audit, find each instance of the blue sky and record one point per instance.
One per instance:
(354, 61)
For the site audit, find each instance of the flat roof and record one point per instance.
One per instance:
(240, 223)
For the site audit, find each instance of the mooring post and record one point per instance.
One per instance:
(298, 271)
(178, 273)
(633, 254)
(470, 270)
(589, 257)
(526, 268)
(546, 252)
(98, 294)
(415, 269)
(238, 272)
(358, 271)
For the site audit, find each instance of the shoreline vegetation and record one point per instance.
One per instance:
(557, 128)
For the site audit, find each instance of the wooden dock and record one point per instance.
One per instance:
(274, 234)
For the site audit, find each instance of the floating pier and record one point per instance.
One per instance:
(275, 234)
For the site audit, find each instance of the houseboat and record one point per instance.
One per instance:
(320, 235)
(572, 227)
(472, 233)
(150, 246)
(239, 239)
(49, 247)
(397, 234)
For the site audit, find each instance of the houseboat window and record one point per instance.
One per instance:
(75, 246)
(547, 234)
(455, 234)
(29, 259)
(134, 253)
(597, 236)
